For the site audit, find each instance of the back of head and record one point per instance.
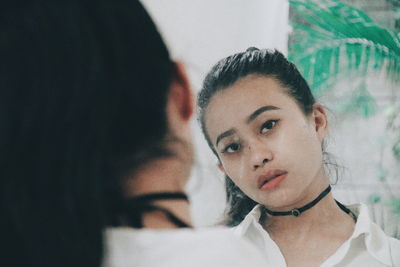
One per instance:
(82, 102)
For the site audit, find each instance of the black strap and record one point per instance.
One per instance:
(345, 209)
(159, 196)
(136, 206)
(298, 211)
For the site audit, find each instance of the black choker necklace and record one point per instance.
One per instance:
(136, 206)
(297, 212)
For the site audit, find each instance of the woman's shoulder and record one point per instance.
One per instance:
(182, 235)
(378, 243)
(216, 246)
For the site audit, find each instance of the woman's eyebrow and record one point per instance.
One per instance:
(257, 112)
(224, 134)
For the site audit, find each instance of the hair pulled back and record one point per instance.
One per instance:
(226, 72)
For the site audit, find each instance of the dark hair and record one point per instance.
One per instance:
(83, 92)
(224, 74)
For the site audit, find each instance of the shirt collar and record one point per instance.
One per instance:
(375, 239)
(252, 218)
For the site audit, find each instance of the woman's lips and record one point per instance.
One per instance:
(271, 179)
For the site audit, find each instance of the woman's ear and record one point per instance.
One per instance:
(320, 120)
(180, 103)
(181, 96)
(221, 167)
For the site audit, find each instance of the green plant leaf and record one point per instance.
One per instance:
(359, 102)
(336, 38)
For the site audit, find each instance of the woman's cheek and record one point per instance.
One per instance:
(233, 169)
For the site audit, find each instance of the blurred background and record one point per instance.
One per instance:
(348, 51)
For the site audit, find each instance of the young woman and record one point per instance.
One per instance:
(262, 122)
(95, 143)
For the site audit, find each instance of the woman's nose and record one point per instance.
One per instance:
(260, 154)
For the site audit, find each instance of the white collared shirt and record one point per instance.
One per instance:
(206, 247)
(368, 245)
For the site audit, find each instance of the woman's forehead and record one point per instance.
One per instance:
(247, 94)
(233, 104)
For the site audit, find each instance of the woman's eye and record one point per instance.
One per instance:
(268, 125)
(231, 148)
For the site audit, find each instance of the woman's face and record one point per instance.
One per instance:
(266, 144)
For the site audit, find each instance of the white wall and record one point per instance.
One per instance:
(199, 33)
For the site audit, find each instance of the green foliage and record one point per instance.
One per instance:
(396, 150)
(359, 102)
(374, 199)
(394, 203)
(393, 125)
(336, 40)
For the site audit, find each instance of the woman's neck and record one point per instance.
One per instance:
(325, 216)
(168, 174)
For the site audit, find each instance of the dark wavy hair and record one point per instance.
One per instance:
(83, 92)
(226, 72)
